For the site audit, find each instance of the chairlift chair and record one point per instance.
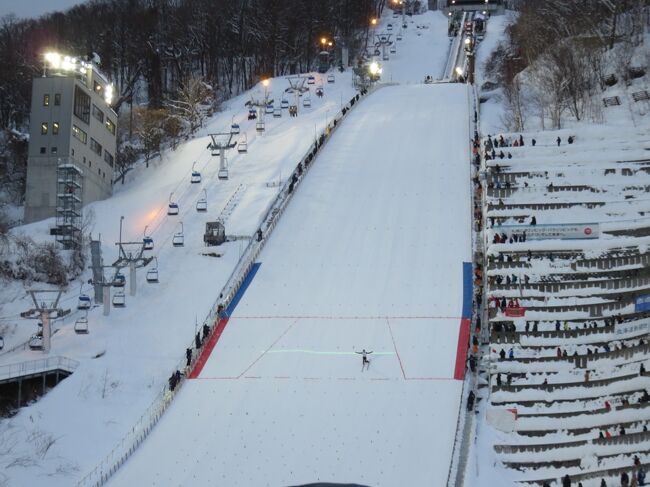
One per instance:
(178, 240)
(147, 243)
(393, 50)
(306, 101)
(399, 37)
(202, 203)
(196, 175)
(119, 300)
(234, 128)
(36, 342)
(252, 114)
(242, 145)
(119, 280)
(284, 104)
(223, 174)
(172, 209)
(152, 274)
(377, 52)
(2, 343)
(277, 113)
(215, 150)
(269, 108)
(331, 78)
(259, 126)
(311, 80)
(81, 326)
(389, 27)
(84, 302)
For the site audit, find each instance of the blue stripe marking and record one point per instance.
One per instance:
(467, 290)
(242, 289)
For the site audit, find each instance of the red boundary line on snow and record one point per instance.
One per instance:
(461, 350)
(207, 349)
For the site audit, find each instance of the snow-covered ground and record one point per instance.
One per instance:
(356, 262)
(370, 233)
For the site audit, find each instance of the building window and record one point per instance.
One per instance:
(98, 88)
(81, 104)
(79, 134)
(55, 128)
(44, 128)
(110, 126)
(54, 150)
(57, 99)
(95, 146)
(46, 100)
(42, 150)
(98, 114)
(108, 157)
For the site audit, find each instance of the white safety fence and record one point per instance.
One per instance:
(15, 371)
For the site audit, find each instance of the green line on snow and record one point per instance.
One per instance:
(318, 352)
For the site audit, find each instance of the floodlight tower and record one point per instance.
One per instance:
(297, 87)
(44, 310)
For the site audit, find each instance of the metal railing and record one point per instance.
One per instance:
(21, 369)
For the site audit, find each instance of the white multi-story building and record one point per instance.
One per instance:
(72, 143)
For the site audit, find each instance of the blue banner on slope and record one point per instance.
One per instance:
(467, 290)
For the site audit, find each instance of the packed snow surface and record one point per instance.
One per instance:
(367, 255)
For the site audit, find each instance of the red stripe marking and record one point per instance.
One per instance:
(207, 349)
(461, 350)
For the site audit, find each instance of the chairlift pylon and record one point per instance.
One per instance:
(202, 203)
(242, 145)
(178, 240)
(172, 209)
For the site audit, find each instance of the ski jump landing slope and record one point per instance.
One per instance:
(369, 254)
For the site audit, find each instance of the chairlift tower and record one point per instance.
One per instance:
(383, 39)
(132, 259)
(260, 103)
(44, 310)
(297, 87)
(221, 142)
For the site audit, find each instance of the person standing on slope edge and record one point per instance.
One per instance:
(365, 362)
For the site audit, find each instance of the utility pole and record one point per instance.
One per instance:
(45, 310)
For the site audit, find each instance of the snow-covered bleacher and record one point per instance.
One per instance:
(565, 376)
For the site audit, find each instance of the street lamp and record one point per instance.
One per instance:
(373, 21)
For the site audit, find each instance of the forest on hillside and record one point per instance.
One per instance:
(159, 53)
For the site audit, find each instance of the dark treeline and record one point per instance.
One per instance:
(149, 48)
